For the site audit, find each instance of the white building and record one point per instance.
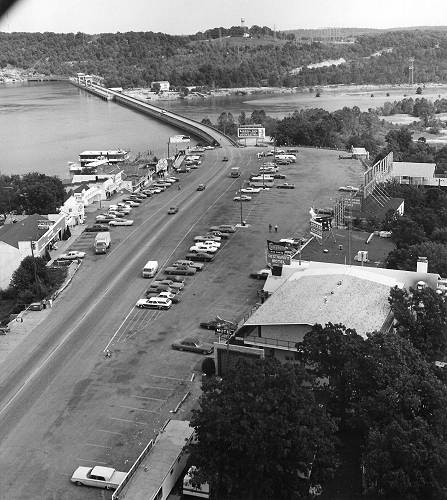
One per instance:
(413, 173)
(164, 85)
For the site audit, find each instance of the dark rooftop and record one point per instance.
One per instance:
(25, 230)
(339, 245)
(377, 208)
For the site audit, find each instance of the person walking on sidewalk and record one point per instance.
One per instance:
(270, 228)
(276, 228)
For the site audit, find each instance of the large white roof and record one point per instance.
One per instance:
(411, 169)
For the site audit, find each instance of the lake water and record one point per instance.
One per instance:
(46, 125)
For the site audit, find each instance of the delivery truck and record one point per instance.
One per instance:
(102, 242)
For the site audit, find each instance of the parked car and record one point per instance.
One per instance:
(171, 296)
(198, 248)
(185, 271)
(224, 228)
(199, 256)
(35, 306)
(174, 285)
(286, 185)
(250, 190)
(224, 236)
(154, 303)
(105, 218)
(61, 263)
(201, 187)
(279, 176)
(242, 197)
(216, 323)
(183, 262)
(157, 288)
(183, 170)
(121, 222)
(173, 210)
(72, 255)
(262, 274)
(207, 237)
(133, 203)
(96, 228)
(160, 187)
(99, 477)
(173, 179)
(348, 189)
(193, 344)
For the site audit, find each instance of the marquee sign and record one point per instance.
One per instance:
(278, 254)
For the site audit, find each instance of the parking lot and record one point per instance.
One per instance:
(105, 410)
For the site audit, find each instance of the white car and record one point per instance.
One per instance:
(242, 197)
(100, 477)
(198, 248)
(250, 190)
(121, 222)
(72, 255)
(207, 237)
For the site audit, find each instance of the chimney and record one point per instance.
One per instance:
(422, 265)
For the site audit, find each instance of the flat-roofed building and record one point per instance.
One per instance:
(413, 173)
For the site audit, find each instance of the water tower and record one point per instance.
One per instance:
(244, 29)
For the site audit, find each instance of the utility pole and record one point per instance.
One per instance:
(411, 70)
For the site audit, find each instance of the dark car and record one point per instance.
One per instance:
(96, 228)
(263, 274)
(61, 263)
(199, 257)
(279, 176)
(193, 344)
(224, 158)
(35, 306)
(224, 236)
(201, 187)
(187, 271)
(189, 263)
(215, 324)
(174, 285)
(286, 185)
(223, 228)
(158, 288)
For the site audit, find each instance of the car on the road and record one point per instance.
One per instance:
(224, 228)
(183, 262)
(279, 176)
(193, 344)
(224, 158)
(173, 210)
(154, 303)
(121, 222)
(286, 185)
(186, 271)
(262, 274)
(199, 256)
(201, 187)
(216, 323)
(72, 255)
(242, 197)
(99, 477)
(96, 228)
(250, 190)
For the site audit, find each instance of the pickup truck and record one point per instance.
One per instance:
(100, 477)
(188, 271)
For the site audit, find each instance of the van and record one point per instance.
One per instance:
(150, 269)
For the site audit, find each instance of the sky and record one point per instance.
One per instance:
(190, 16)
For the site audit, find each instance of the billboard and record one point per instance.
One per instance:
(318, 225)
(245, 132)
(179, 139)
(278, 254)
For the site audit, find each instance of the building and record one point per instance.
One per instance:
(34, 235)
(322, 292)
(164, 85)
(359, 153)
(413, 173)
(156, 471)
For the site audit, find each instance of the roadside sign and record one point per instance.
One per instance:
(278, 253)
(250, 131)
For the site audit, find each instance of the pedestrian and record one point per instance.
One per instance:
(107, 354)
(276, 228)
(270, 228)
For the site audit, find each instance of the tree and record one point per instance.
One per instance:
(419, 90)
(406, 231)
(31, 275)
(262, 416)
(421, 318)
(207, 122)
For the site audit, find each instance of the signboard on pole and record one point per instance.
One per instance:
(278, 254)
(244, 132)
(180, 139)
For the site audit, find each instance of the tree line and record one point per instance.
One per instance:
(220, 57)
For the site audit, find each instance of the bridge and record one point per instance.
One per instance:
(206, 134)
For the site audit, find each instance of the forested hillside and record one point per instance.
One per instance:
(221, 58)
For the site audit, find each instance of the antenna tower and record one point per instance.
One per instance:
(411, 70)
